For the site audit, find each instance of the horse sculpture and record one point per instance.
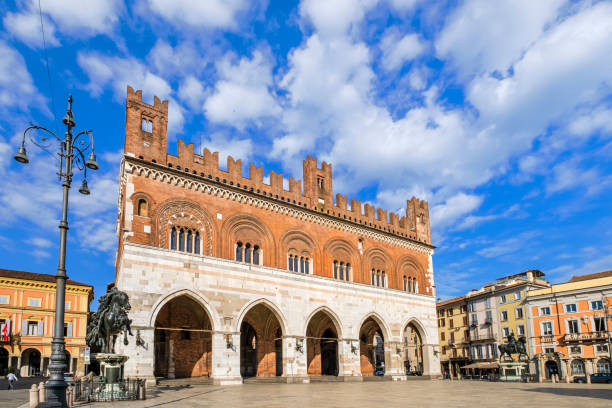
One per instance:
(110, 319)
(513, 346)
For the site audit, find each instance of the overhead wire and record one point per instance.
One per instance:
(42, 29)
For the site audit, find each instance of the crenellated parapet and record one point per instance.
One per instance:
(146, 139)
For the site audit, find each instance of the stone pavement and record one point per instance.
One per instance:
(378, 394)
(13, 399)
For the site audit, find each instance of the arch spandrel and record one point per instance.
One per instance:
(247, 307)
(335, 319)
(198, 298)
(384, 327)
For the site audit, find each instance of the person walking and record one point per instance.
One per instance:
(11, 379)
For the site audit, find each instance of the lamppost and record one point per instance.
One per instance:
(71, 152)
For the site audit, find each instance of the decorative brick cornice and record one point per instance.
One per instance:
(162, 174)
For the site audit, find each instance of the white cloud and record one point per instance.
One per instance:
(456, 206)
(333, 18)
(68, 16)
(229, 146)
(182, 60)
(117, 73)
(568, 174)
(40, 242)
(403, 5)
(78, 19)
(485, 36)
(205, 14)
(398, 49)
(192, 92)
(16, 85)
(243, 92)
(26, 27)
(597, 120)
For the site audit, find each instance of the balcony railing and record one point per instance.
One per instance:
(547, 339)
(599, 335)
(482, 336)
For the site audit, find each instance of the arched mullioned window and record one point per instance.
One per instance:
(185, 240)
(143, 208)
(298, 263)
(342, 271)
(173, 238)
(239, 251)
(248, 253)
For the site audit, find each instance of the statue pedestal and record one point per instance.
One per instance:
(111, 366)
(513, 370)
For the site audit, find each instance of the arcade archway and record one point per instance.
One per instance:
(371, 348)
(261, 339)
(322, 345)
(183, 339)
(30, 363)
(413, 347)
(4, 361)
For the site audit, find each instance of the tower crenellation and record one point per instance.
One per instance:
(146, 139)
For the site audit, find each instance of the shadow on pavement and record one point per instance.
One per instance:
(576, 392)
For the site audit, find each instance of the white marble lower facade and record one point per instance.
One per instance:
(227, 290)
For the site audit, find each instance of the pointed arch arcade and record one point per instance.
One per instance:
(322, 343)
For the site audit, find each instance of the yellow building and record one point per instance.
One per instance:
(453, 336)
(27, 306)
(510, 301)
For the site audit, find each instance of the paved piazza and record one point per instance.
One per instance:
(381, 394)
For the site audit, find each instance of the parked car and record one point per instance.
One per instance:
(601, 378)
(595, 378)
(69, 378)
(379, 371)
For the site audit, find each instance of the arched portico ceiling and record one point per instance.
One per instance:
(198, 298)
(319, 316)
(258, 307)
(416, 324)
(382, 325)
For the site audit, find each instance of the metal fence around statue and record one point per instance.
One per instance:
(96, 389)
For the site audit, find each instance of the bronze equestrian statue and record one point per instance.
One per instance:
(110, 319)
(513, 346)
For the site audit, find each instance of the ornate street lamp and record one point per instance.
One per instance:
(72, 151)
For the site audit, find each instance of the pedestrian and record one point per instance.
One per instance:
(11, 379)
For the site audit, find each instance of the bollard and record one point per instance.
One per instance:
(33, 396)
(553, 378)
(42, 397)
(69, 396)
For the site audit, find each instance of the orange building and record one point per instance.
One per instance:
(27, 306)
(570, 333)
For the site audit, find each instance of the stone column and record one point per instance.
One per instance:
(568, 370)
(171, 359)
(394, 362)
(350, 364)
(141, 361)
(541, 372)
(431, 362)
(226, 361)
(294, 359)
(588, 367)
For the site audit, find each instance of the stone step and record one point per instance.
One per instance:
(264, 380)
(325, 378)
(377, 378)
(177, 382)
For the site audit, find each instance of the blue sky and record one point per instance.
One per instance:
(497, 113)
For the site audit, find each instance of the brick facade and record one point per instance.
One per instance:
(208, 231)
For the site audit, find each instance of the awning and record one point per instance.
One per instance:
(488, 365)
